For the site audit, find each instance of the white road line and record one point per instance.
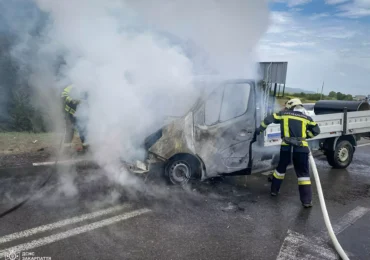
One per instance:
(73, 232)
(297, 246)
(59, 162)
(33, 231)
(316, 248)
(362, 145)
(347, 220)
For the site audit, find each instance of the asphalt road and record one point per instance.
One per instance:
(83, 215)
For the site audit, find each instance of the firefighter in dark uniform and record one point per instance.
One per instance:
(296, 127)
(70, 107)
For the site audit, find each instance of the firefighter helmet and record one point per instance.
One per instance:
(293, 103)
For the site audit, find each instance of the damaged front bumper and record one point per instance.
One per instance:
(138, 167)
(142, 167)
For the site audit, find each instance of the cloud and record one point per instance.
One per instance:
(320, 49)
(355, 9)
(280, 22)
(335, 2)
(319, 16)
(336, 32)
(292, 3)
(295, 44)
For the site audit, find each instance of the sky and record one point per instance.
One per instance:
(322, 41)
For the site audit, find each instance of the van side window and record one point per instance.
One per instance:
(213, 106)
(235, 101)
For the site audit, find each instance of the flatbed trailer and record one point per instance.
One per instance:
(338, 139)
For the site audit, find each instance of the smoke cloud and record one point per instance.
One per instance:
(226, 32)
(136, 60)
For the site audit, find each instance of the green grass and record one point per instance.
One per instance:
(281, 100)
(23, 142)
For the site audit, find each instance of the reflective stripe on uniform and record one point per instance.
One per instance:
(263, 125)
(304, 181)
(304, 129)
(286, 127)
(278, 175)
(298, 118)
(65, 93)
(69, 109)
(304, 144)
(277, 117)
(310, 134)
(304, 124)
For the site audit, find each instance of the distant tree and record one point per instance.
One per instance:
(16, 110)
(333, 94)
(340, 96)
(20, 110)
(349, 97)
(314, 97)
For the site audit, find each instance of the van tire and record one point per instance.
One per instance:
(181, 169)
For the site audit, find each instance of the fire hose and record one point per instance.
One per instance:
(52, 171)
(334, 239)
(328, 225)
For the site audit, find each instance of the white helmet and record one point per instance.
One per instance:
(292, 103)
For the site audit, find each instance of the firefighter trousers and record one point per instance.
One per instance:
(71, 124)
(301, 167)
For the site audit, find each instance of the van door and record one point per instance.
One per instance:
(224, 128)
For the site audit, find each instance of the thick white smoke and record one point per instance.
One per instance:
(226, 31)
(136, 59)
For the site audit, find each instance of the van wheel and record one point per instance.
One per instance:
(342, 157)
(181, 169)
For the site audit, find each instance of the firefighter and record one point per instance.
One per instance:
(70, 107)
(296, 128)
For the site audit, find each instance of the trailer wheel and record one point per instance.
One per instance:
(180, 169)
(342, 157)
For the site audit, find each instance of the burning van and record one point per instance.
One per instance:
(214, 138)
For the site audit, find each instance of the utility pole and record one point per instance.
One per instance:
(322, 89)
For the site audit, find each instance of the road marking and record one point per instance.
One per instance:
(59, 162)
(297, 246)
(62, 223)
(347, 220)
(362, 145)
(73, 232)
